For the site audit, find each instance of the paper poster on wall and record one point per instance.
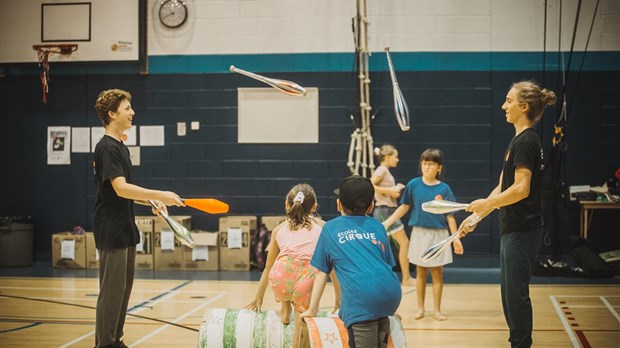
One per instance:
(80, 139)
(96, 133)
(58, 145)
(130, 136)
(152, 135)
(134, 155)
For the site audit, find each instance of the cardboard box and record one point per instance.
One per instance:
(205, 256)
(68, 250)
(144, 251)
(272, 221)
(235, 233)
(237, 221)
(184, 220)
(92, 255)
(146, 223)
(166, 259)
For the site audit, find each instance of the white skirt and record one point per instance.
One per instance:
(422, 239)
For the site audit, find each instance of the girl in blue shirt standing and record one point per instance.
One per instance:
(427, 229)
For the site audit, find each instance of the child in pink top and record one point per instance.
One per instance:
(288, 268)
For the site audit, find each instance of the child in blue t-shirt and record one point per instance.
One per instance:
(427, 229)
(356, 246)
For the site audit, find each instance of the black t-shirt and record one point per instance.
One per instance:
(114, 223)
(524, 150)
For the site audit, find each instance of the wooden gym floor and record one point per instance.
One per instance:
(565, 315)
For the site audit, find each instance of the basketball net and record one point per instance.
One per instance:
(44, 52)
(43, 56)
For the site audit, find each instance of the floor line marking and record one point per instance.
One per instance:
(610, 307)
(567, 327)
(133, 310)
(165, 326)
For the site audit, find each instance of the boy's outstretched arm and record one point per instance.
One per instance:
(319, 286)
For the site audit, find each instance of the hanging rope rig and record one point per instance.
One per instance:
(361, 147)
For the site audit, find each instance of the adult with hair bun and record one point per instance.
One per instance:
(386, 193)
(518, 196)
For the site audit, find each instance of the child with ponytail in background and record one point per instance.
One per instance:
(386, 193)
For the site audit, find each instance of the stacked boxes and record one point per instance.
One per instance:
(68, 250)
(272, 222)
(144, 250)
(92, 255)
(205, 254)
(226, 250)
(235, 234)
(168, 251)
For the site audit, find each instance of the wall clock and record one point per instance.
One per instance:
(173, 13)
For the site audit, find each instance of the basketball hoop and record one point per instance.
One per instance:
(44, 52)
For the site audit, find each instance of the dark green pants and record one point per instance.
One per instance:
(518, 253)
(116, 273)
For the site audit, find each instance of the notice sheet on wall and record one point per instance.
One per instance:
(80, 139)
(152, 135)
(58, 145)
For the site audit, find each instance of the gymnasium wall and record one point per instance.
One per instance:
(455, 61)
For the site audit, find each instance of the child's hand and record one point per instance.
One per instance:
(307, 313)
(395, 191)
(254, 305)
(458, 246)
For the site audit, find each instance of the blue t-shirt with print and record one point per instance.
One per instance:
(417, 192)
(357, 247)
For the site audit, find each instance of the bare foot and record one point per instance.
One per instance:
(418, 315)
(408, 282)
(438, 316)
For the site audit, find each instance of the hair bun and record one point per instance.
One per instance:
(547, 96)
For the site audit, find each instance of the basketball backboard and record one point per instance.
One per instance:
(106, 30)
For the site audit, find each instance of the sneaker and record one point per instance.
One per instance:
(120, 344)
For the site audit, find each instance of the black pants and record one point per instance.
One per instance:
(116, 272)
(518, 253)
(369, 334)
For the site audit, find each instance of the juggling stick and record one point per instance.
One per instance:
(436, 249)
(180, 232)
(208, 205)
(288, 87)
(401, 110)
(439, 206)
